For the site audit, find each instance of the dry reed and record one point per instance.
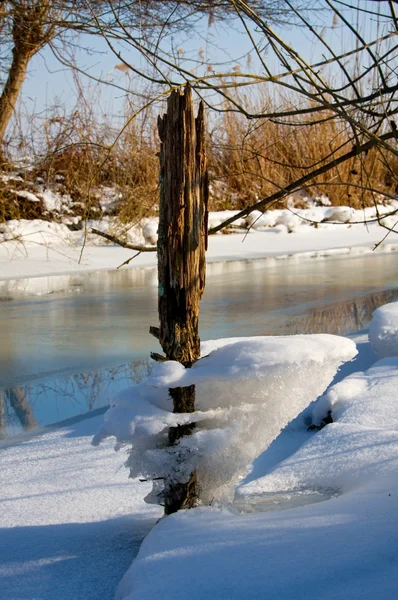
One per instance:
(248, 160)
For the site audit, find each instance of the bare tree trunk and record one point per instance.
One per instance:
(181, 256)
(2, 416)
(12, 88)
(21, 407)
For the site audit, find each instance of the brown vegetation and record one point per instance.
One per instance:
(255, 159)
(248, 160)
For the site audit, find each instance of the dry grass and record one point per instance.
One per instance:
(96, 156)
(256, 159)
(80, 151)
(248, 160)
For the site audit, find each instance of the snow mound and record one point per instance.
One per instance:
(259, 220)
(383, 330)
(150, 231)
(247, 390)
(36, 232)
(368, 399)
(216, 218)
(340, 214)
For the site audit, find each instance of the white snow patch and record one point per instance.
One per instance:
(383, 330)
(109, 199)
(340, 214)
(150, 231)
(28, 196)
(216, 218)
(55, 202)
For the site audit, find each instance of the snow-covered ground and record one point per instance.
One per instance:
(314, 516)
(70, 519)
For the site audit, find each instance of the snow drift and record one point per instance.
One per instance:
(358, 447)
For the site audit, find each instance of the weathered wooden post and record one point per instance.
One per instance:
(182, 239)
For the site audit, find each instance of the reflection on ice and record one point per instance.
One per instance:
(61, 397)
(98, 281)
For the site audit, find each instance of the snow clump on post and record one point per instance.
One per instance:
(247, 391)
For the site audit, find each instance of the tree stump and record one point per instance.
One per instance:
(182, 241)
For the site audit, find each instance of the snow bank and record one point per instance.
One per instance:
(259, 220)
(335, 550)
(32, 248)
(247, 390)
(360, 445)
(35, 232)
(383, 330)
(216, 218)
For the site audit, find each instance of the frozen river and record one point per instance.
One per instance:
(69, 350)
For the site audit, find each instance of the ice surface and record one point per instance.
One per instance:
(247, 390)
(383, 330)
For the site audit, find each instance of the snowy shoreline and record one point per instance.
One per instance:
(32, 249)
(37, 261)
(75, 505)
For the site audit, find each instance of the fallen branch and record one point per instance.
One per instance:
(119, 242)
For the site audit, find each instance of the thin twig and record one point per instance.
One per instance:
(128, 261)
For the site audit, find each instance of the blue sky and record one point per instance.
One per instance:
(48, 82)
